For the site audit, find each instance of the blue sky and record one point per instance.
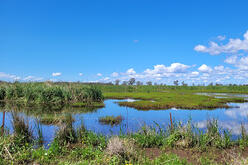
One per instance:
(198, 41)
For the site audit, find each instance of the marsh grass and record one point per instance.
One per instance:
(86, 147)
(66, 133)
(49, 93)
(111, 120)
(40, 139)
(173, 99)
(22, 130)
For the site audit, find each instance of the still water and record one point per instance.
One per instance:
(230, 119)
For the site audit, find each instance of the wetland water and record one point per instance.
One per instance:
(230, 119)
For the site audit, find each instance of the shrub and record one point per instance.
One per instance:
(2, 93)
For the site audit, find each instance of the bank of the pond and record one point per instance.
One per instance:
(176, 145)
(165, 100)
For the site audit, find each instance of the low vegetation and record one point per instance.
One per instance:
(151, 145)
(165, 100)
(111, 120)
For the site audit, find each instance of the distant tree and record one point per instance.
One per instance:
(117, 82)
(148, 83)
(139, 83)
(124, 83)
(155, 84)
(184, 84)
(176, 82)
(211, 84)
(131, 81)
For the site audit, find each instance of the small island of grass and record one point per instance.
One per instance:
(111, 120)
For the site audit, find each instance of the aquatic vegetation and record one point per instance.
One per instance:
(21, 129)
(66, 133)
(54, 119)
(111, 120)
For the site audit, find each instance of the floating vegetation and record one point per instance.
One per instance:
(111, 120)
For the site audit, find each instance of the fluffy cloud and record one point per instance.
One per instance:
(80, 74)
(9, 76)
(28, 78)
(56, 74)
(32, 78)
(219, 68)
(205, 68)
(162, 69)
(221, 38)
(233, 46)
(195, 73)
(231, 60)
(99, 74)
(115, 74)
(130, 71)
(240, 62)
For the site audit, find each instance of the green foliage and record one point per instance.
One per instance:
(149, 137)
(2, 93)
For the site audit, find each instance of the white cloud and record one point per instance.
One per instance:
(32, 78)
(200, 48)
(205, 68)
(106, 79)
(28, 78)
(219, 68)
(56, 74)
(240, 63)
(115, 74)
(231, 59)
(162, 69)
(195, 73)
(99, 74)
(221, 38)
(80, 74)
(9, 76)
(233, 46)
(130, 71)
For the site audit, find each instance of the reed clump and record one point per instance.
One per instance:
(111, 120)
(49, 93)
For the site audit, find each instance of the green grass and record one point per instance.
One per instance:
(111, 120)
(173, 99)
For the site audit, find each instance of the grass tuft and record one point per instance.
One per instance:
(111, 120)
